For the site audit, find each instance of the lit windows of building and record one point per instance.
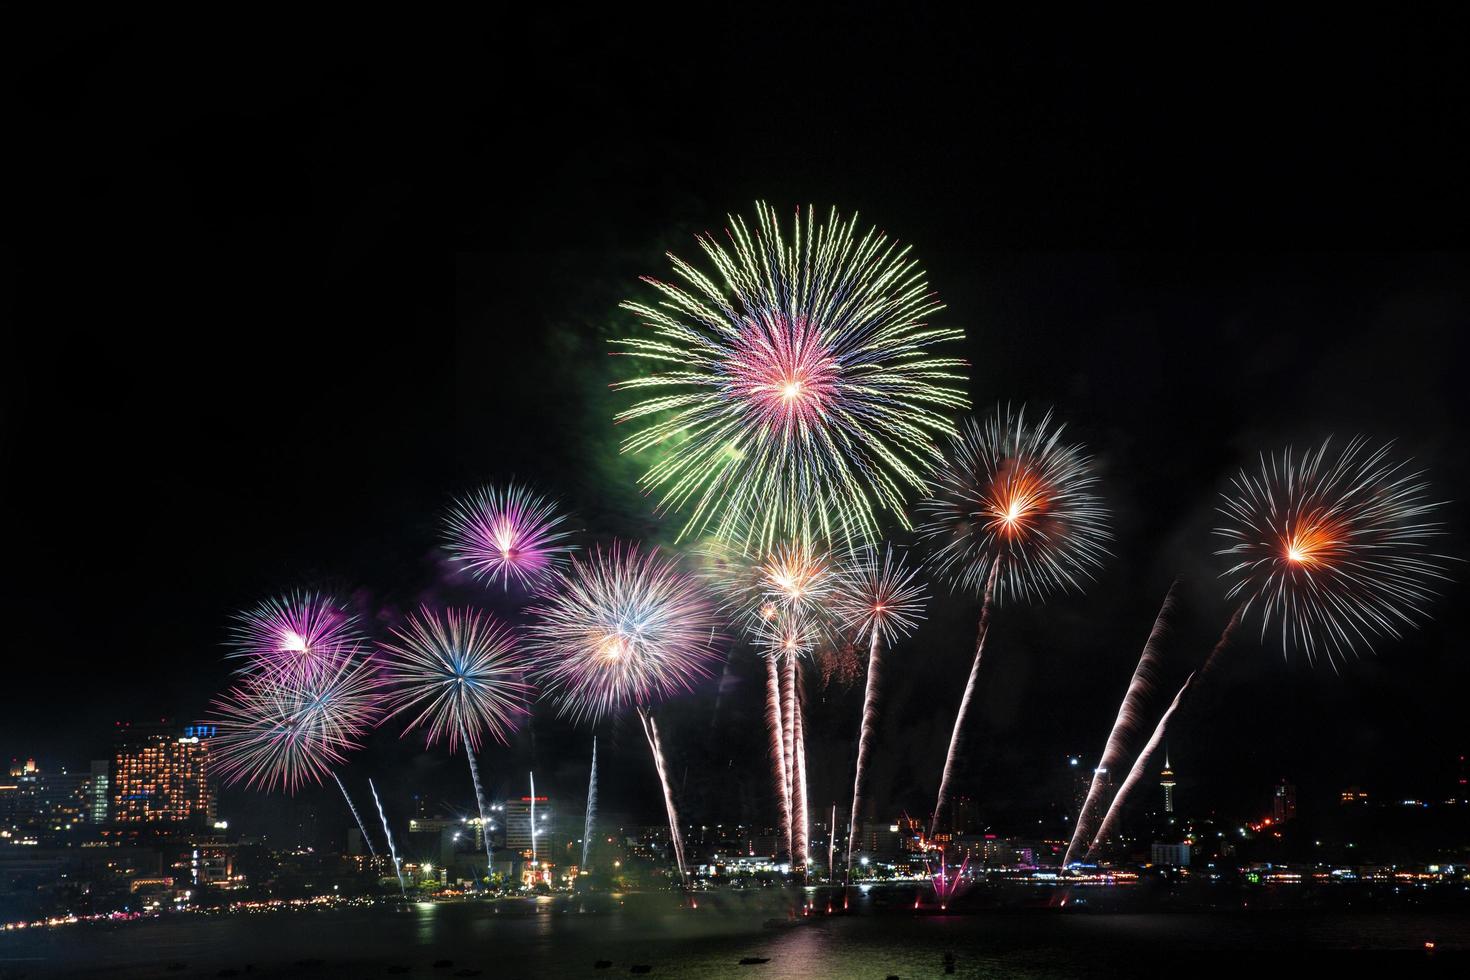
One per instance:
(518, 827)
(161, 775)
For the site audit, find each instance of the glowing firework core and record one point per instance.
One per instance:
(787, 375)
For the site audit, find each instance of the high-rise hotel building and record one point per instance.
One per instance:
(161, 775)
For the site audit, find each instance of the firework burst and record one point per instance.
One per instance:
(621, 627)
(294, 636)
(1333, 545)
(1013, 497)
(274, 730)
(878, 596)
(795, 390)
(461, 671)
(507, 534)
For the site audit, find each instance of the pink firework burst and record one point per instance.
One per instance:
(784, 369)
(462, 671)
(294, 636)
(278, 730)
(508, 533)
(621, 627)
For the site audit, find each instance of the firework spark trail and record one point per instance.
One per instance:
(591, 806)
(356, 816)
(392, 847)
(942, 799)
(1140, 767)
(788, 737)
(777, 727)
(469, 753)
(1140, 764)
(802, 823)
(865, 739)
(1125, 726)
(650, 731)
(794, 383)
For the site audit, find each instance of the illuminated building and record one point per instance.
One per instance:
(518, 822)
(160, 775)
(1283, 802)
(97, 792)
(1353, 795)
(1081, 784)
(1166, 783)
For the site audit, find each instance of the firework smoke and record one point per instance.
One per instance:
(1140, 767)
(942, 799)
(793, 390)
(1140, 764)
(777, 729)
(1125, 726)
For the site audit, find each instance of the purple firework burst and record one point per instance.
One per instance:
(508, 533)
(294, 636)
(274, 729)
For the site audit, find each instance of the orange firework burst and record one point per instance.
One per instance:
(1015, 500)
(1333, 544)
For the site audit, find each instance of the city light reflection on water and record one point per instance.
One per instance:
(550, 939)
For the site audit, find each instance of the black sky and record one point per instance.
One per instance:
(281, 288)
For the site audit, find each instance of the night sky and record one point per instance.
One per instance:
(281, 290)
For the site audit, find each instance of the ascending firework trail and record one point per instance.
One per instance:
(1013, 515)
(1125, 727)
(356, 816)
(392, 848)
(591, 807)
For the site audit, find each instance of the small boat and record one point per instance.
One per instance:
(753, 960)
(602, 964)
(640, 968)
